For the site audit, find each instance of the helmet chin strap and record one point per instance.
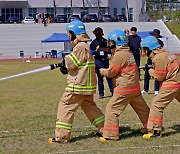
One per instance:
(149, 52)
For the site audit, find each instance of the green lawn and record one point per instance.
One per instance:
(174, 27)
(28, 107)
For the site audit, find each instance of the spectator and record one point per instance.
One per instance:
(127, 32)
(44, 20)
(100, 51)
(37, 17)
(155, 33)
(134, 43)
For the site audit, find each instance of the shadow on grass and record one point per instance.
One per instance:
(125, 132)
(107, 96)
(174, 127)
(82, 137)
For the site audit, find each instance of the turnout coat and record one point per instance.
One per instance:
(166, 69)
(123, 71)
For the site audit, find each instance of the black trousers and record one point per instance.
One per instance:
(137, 59)
(147, 78)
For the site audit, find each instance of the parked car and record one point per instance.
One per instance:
(28, 20)
(2, 20)
(13, 19)
(90, 18)
(73, 17)
(61, 18)
(120, 18)
(106, 18)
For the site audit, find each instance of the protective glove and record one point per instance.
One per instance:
(63, 70)
(101, 71)
(151, 72)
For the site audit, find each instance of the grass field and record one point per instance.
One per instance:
(28, 107)
(174, 27)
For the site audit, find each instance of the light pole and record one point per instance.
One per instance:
(71, 8)
(54, 5)
(99, 9)
(108, 6)
(83, 8)
(127, 10)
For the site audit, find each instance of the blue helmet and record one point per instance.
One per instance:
(118, 36)
(76, 26)
(150, 42)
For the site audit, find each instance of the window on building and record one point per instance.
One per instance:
(9, 12)
(123, 11)
(50, 10)
(67, 11)
(130, 14)
(115, 11)
(32, 12)
(102, 10)
(84, 11)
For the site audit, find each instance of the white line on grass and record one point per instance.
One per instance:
(120, 148)
(91, 126)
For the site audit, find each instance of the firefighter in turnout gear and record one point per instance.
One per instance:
(125, 76)
(81, 86)
(166, 70)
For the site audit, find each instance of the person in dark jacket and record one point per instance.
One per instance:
(155, 33)
(100, 51)
(134, 43)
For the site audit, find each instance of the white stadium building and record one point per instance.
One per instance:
(22, 8)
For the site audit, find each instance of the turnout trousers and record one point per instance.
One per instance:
(158, 105)
(68, 105)
(116, 106)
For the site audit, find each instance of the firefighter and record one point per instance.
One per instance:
(125, 76)
(155, 33)
(81, 85)
(166, 70)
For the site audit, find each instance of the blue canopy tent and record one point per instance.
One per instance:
(143, 34)
(58, 37)
(146, 33)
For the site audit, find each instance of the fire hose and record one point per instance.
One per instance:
(60, 65)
